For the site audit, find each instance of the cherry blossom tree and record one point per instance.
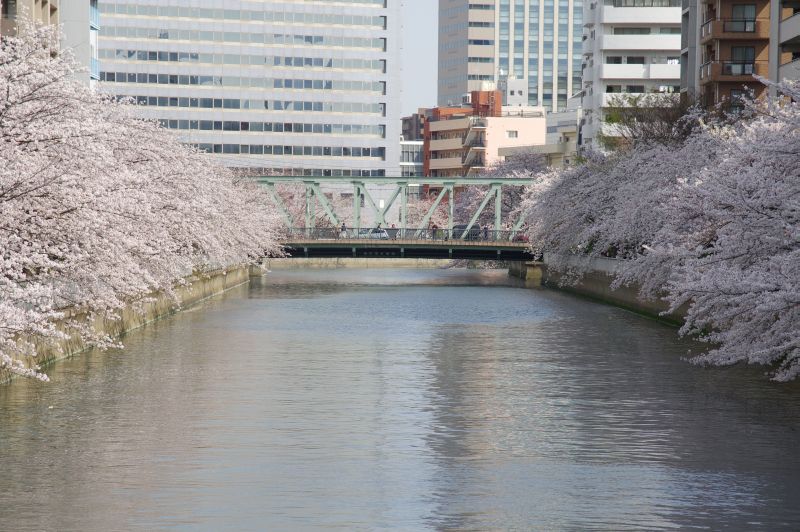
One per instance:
(99, 209)
(710, 223)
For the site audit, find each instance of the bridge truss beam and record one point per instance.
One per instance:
(449, 187)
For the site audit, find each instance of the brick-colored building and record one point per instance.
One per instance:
(732, 42)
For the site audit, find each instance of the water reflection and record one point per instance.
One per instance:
(399, 399)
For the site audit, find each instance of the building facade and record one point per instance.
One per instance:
(560, 147)
(293, 86)
(531, 49)
(726, 44)
(411, 158)
(80, 21)
(463, 141)
(44, 11)
(631, 49)
(413, 126)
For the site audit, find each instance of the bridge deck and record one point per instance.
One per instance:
(408, 248)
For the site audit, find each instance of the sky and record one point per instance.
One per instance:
(419, 54)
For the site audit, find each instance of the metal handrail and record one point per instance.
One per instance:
(429, 234)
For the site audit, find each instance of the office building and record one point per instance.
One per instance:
(292, 86)
(631, 49)
(531, 49)
(411, 158)
(414, 125)
(80, 23)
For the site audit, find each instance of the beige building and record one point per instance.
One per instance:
(45, 11)
(464, 144)
(561, 142)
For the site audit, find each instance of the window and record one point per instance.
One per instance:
(636, 89)
(744, 18)
(614, 60)
(512, 134)
(633, 31)
(613, 89)
(635, 60)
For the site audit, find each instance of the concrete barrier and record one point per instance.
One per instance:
(596, 284)
(196, 288)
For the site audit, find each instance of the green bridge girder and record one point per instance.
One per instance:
(314, 196)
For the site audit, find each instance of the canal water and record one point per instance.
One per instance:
(399, 399)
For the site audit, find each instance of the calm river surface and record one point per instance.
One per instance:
(398, 399)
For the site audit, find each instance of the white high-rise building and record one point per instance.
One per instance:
(530, 48)
(80, 22)
(302, 87)
(631, 47)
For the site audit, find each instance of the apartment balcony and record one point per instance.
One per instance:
(790, 29)
(446, 144)
(734, 29)
(732, 71)
(652, 15)
(790, 70)
(474, 171)
(630, 43)
(652, 71)
(445, 164)
(475, 155)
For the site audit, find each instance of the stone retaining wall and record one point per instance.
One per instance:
(197, 288)
(596, 284)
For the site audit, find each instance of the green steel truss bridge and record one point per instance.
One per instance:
(466, 241)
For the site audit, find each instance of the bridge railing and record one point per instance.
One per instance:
(428, 234)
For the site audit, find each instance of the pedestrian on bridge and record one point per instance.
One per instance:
(344, 231)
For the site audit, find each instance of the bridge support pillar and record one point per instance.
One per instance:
(530, 272)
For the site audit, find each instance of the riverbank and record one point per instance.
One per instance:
(595, 284)
(195, 288)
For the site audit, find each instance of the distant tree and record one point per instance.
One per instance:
(652, 118)
(522, 166)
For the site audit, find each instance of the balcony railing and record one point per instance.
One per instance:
(739, 26)
(720, 70)
(718, 28)
(738, 68)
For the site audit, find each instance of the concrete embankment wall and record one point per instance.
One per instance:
(596, 285)
(352, 262)
(197, 288)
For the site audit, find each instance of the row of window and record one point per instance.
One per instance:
(639, 89)
(378, 131)
(132, 32)
(260, 105)
(641, 60)
(460, 26)
(236, 81)
(318, 172)
(244, 59)
(648, 31)
(125, 8)
(297, 151)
